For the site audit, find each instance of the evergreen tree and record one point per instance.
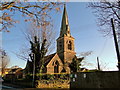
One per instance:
(37, 56)
(75, 64)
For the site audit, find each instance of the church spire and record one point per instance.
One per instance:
(65, 29)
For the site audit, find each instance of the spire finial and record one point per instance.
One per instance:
(65, 30)
(64, 4)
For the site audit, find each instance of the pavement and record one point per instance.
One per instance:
(8, 86)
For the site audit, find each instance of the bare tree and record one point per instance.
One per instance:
(45, 31)
(4, 61)
(85, 55)
(39, 43)
(31, 11)
(104, 11)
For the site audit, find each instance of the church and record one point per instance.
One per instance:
(59, 61)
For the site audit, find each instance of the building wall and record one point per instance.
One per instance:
(50, 66)
(65, 54)
(105, 79)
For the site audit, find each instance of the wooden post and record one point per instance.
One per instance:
(98, 65)
(116, 44)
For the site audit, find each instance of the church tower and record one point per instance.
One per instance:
(65, 42)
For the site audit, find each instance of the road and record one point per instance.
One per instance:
(7, 87)
(3, 87)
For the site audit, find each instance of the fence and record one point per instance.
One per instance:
(52, 80)
(105, 79)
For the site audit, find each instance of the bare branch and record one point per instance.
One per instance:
(104, 11)
(31, 10)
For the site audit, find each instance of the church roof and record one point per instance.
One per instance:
(48, 58)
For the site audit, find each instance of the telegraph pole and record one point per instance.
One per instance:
(98, 65)
(116, 43)
(34, 70)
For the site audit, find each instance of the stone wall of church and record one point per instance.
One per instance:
(50, 69)
(55, 61)
(65, 48)
(67, 41)
(68, 56)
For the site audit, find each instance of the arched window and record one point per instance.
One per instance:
(60, 45)
(70, 45)
(56, 67)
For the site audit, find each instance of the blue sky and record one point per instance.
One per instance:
(83, 28)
